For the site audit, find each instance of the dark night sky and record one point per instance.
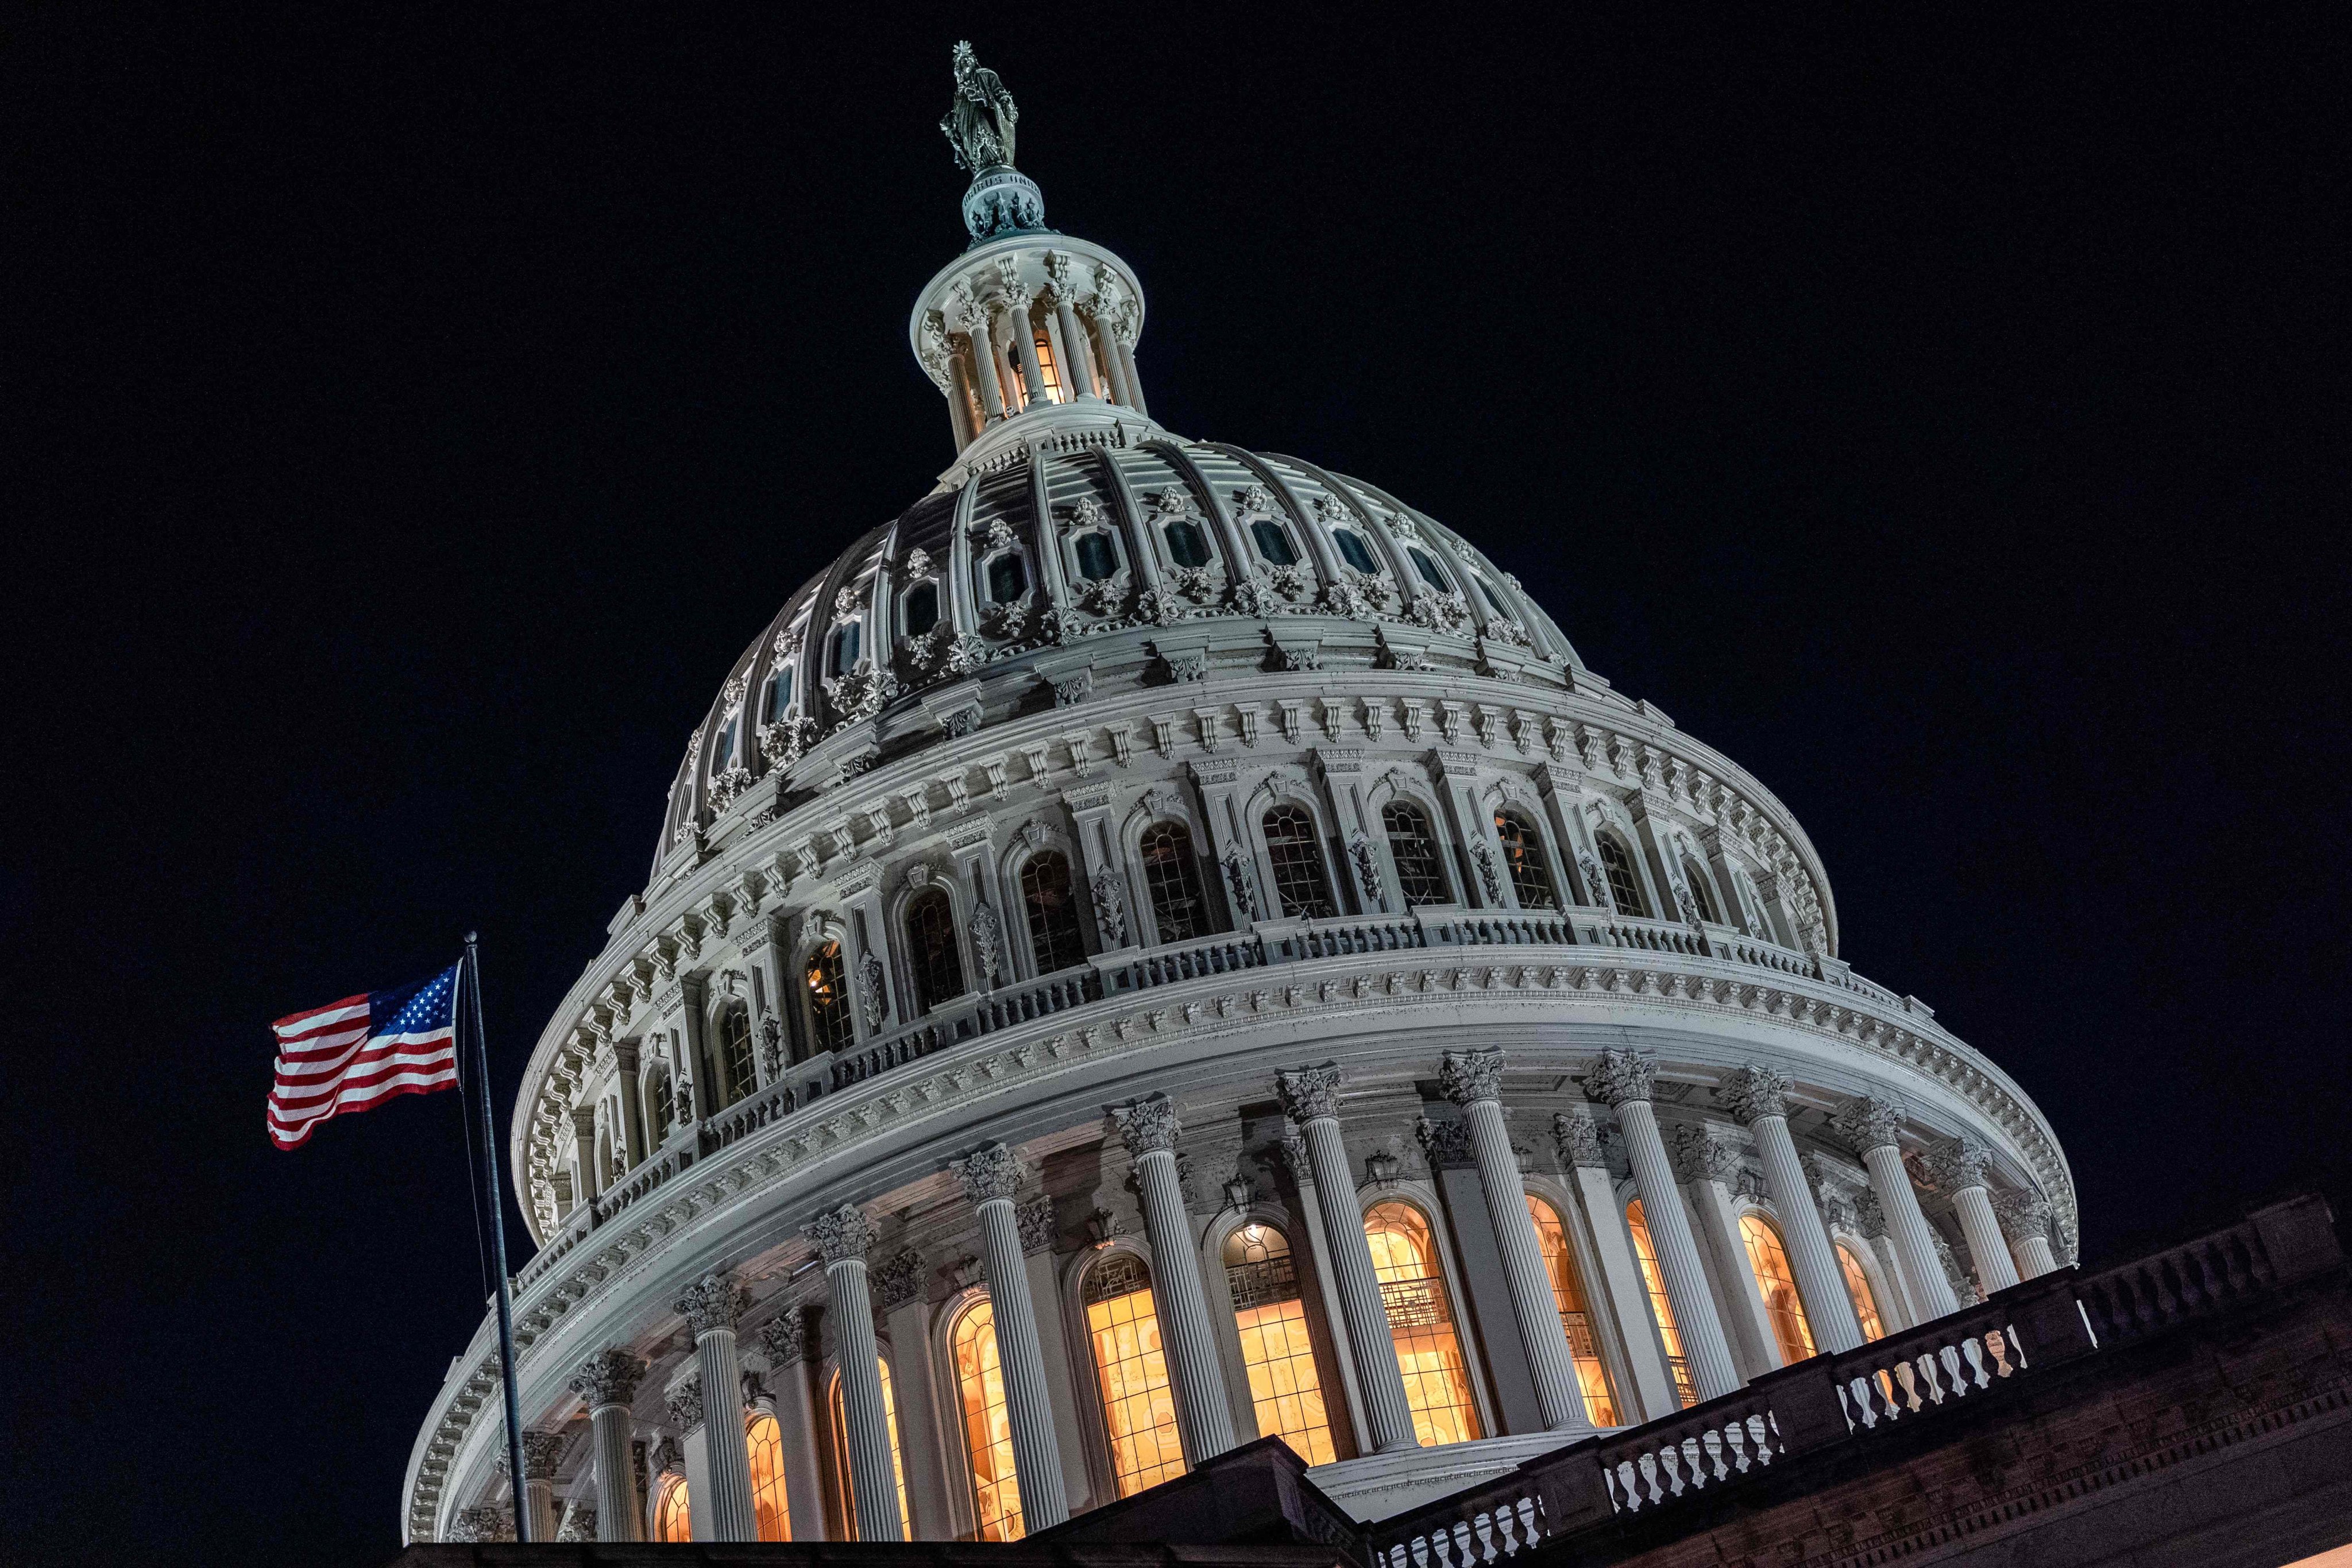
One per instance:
(414, 415)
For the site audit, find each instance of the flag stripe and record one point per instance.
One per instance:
(358, 1052)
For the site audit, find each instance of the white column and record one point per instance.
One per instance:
(841, 1237)
(1473, 1080)
(1077, 365)
(1757, 1097)
(1964, 1174)
(1106, 341)
(1148, 1128)
(541, 1450)
(2025, 1220)
(989, 1179)
(606, 1384)
(1620, 1286)
(1874, 1126)
(1622, 1080)
(710, 1306)
(1127, 364)
(785, 1339)
(1311, 1095)
(1024, 346)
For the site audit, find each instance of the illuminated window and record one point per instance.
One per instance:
(931, 949)
(1662, 1310)
(1008, 579)
(923, 610)
(1098, 558)
(1138, 1410)
(1428, 570)
(841, 1451)
(1174, 883)
(735, 1051)
(1420, 870)
(671, 1520)
(1523, 852)
(845, 648)
(1768, 1259)
(1701, 893)
(780, 694)
(1048, 371)
(987, 1430)
(1354, 551)
(1421, 1323)
(1054, 938)
(1865, 1301)
(1285, 1390)
(829, 1022)
(1292, 845)
(1187, 545)
(767, 1444)
(1624, 886)
(1273, 542)
(1568, 1295)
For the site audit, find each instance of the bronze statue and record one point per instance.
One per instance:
(980, 126)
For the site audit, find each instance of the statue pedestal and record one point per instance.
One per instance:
(1002, 200)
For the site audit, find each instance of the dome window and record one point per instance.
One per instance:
(1428, 570)
(1354, 551)
(1619, 868)
(1054, 939)
(1486, 591)
(1292, 844)
(780, 694)
(722, 755)
(845, 648)
(922, 611)
(1008, 579)
(828, 1000)
(1420, 870)
(1701, 895)
(1523, 852)
(1098, 559)
(1174, 883)
(1274, 542)
(1187, 545)
(735, 1051)
(931, 949)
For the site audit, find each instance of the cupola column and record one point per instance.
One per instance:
(1107, 346)
(842, 1237)
(1077, 365)
(1023, 334)
(1148, 1128)
(1964, 1177)
(1311, 1096)
(989, 1179)
(1622, 1080)
(1758, 1098)
(606, 1384)
(1473, 1080)
(1874, 1126)
(710, 1308)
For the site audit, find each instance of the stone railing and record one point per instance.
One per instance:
(966, 1019)
(2019, 1335)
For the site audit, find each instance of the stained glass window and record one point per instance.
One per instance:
(1138, 1408)
(1420, 1323)
(1285, 1390)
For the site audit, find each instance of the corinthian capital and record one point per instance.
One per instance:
(608, 1378)
(1578, 1140)
(1963, 1166)
(712, 1302)
(1148, 1126)
(541, 1450)
(993, 1173)
(2022, 1215)
(1870, 1123)
(1039, 1229)
(785, 1338)
(1469, 1076)
(1704, 1157)
(1621, 1076)
(841, 1235)
(1308, 1093)
(1754, 1090)
(686, 1405)
(900, 1278)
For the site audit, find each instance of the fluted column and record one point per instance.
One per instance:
(1015, 305)
(710, 1306)
(606, 1384)
(842, 1237)
(2025, 1221)
(1078, 371)
(785, 1339)
(1757, 1098)
(1964, 1176)
(1622, 1080)
(1311, 1095)
(1473, 1080)
(541, 1450)
(989, 1179)
(1106, 344)
(1148, 1128)
(1875, 1125)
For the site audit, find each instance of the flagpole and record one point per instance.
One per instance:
(498, 1244)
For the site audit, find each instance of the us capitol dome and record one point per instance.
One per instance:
(1161, 945)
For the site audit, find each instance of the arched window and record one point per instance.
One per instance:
(1428, 569)
(845, 648)
(1523, 852)
(987, 1429)
(1174, 883)
(1098, 559)
(1662, 1310)
(780, 694)
(1624, 888)
(922, 608)
(1354, 551)
(1420, 1323)
(841, 1451)
(1285, 1390)
(1048, 372)
(722, 754)
(1865, 1301)
(1420, 873)
(931, 949)
(1702, 893)
(830, 1027)
(1292, 845)
(1486, 591)
(1274, 542)
(735, 1051)
(1008, 579)
(1568, 1295)
(1138, 1410)
(1187, 545)
(671, 1520)
(1768, 1259)
(1054, 937)
(766, 1441)
(665, 1110)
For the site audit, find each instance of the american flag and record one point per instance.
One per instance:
(358, 1052)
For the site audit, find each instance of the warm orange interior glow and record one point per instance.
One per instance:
(1858, 1285)
(671, 1521)
(1420, 1321)
(841, 1451)
(1568, 1294)
(1662, 1311)
(767, 1446)
(1285, 1390)
(1769, 1261)
(987, 1430)
(1138, 1408)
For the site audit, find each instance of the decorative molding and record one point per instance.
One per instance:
(785, 1338)
(1444, 1144)
(1467, 1077)
(993, 1173)
(608, 1378)
(1147, 1126)
(899, 1278)
(1578, 1140)
(1756, 1089)
(1309, 1093)
(841, 1235)
(1620, 1076)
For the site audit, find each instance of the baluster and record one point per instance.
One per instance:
(1653, 1474)
(1909, 1376)
(1973, 1352)
(1419, 1545)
